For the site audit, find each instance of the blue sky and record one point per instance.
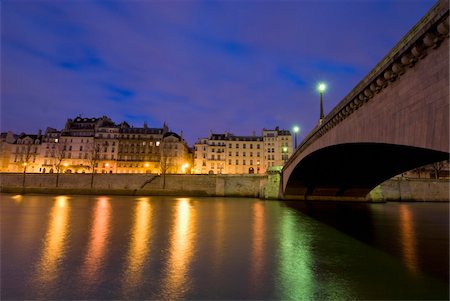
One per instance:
(200, 66)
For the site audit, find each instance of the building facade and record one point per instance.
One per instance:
(97, 145)
(230, 154)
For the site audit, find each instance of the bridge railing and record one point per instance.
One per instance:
(426, 35)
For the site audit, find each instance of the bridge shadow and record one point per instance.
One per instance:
(417, 233)
(354, 169)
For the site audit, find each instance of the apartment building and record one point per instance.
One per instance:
(230, 154)
(96, 145)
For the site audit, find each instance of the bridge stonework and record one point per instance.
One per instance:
(395, 119)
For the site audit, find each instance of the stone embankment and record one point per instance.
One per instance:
(137, 184)
(258, 186)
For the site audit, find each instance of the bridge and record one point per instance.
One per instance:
(394, 120)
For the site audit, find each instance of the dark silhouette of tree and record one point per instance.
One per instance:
(94, 157)
(60, 150)
(438, 167)
(165, 160)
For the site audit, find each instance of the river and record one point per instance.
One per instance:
(166, 248)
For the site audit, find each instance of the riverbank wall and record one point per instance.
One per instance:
(258, 186)
(137, 184)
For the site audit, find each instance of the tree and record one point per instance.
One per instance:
(26, 152)
(25, 158)
(59, 157)
(94, 157)
(165, 160)
(437, 167)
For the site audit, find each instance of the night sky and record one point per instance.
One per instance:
(201, 66)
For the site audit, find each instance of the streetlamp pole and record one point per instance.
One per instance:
(321, 87)
(295, 130)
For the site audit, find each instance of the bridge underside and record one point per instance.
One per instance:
(353, 170)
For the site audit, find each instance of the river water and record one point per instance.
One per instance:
(166, 248)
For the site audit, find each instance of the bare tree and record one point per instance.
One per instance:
(437, 167)
(25, 157)
(60, 151)
(94, 157)
(165, 160)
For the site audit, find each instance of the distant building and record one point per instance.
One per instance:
(230, 154)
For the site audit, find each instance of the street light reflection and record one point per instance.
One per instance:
(139, 245)
(95, 255)
(54, 245)
(408, 238)
(182, 245)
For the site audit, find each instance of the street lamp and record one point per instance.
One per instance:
(296, 129)
(321, 87)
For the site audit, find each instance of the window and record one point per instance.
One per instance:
(243, 154)
(257, 146)
(251, 146)
(230, 145)
(229, 154)
(81, 148)
(243, 162)
(251, 154)
(237, 162)
(237, 145)
(237, 153)
(244, 145)
(229, 162)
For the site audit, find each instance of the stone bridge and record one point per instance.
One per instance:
(394, 120)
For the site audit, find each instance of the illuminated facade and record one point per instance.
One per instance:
(230, 154)
(99, 145)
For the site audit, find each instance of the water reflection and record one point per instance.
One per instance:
(408, 238)
(182, 242)
(17, 198)
(55, 242)
(296, 277)
(98, 238)
(139, 246)
(258, 241)
(219, 237)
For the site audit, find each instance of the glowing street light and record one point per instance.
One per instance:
(184, 167)
(296, 129)
(321, 87)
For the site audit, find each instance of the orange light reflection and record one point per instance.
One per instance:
(95, 255)
(258, 241)
(54, 244)
(182, 239)
(139, 245)
(408, 238)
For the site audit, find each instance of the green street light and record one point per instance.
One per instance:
(321, 87)
(296, 129)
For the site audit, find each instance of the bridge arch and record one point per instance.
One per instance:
(354, 169)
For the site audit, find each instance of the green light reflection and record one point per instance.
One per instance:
(295, 267)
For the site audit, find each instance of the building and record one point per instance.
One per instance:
(24, 152)
(96, 145)
(230, 154)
